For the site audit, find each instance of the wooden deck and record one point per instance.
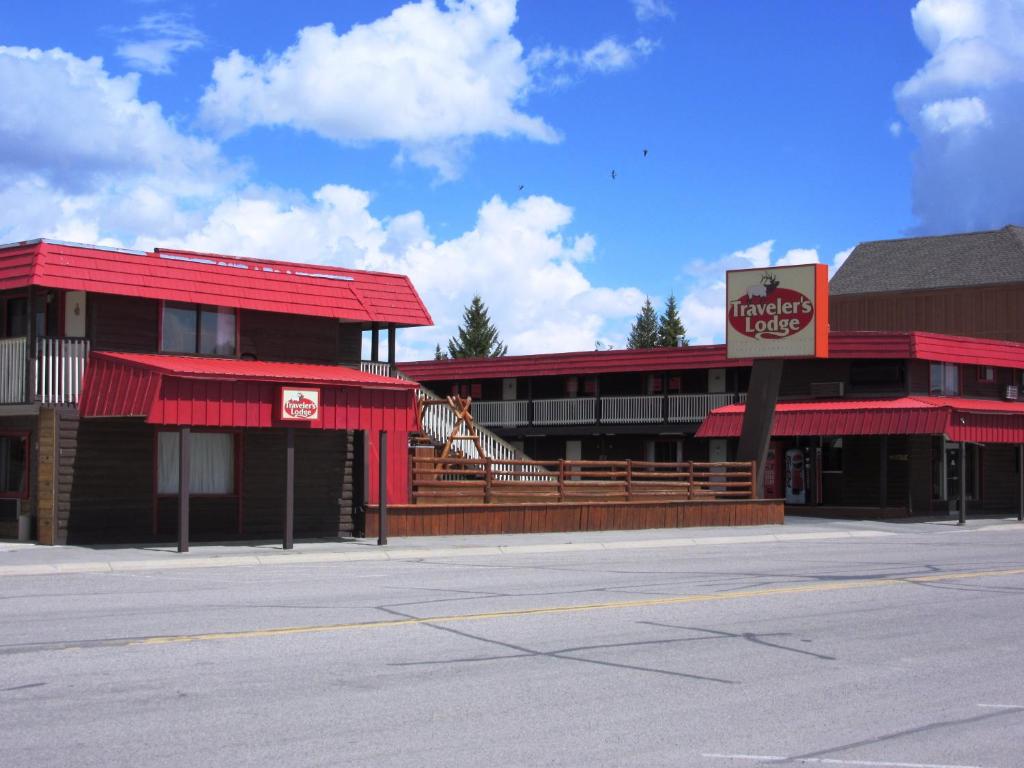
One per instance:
(460, 519)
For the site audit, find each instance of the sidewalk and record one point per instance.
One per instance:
(31, 559)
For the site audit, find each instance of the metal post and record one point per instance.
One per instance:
(375, 342)
(963, 484)
(289, 490)
(883, 472)
(392, 333)
(184, 476)
(382, 493)
(1020, 476)
(30, 347)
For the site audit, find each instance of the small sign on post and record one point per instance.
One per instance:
(299, 404)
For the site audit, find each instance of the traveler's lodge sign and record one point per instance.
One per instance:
(777, 312)
(300, 404)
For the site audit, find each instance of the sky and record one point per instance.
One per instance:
(564, 159)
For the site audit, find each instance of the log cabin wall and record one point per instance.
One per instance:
(122, 323)
(988, 312)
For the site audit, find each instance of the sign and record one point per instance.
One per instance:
(300, 404)
(777, 312)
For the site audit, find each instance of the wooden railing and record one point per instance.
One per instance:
(57, 369)
(632, 409)
(502, 413)
(469, 481)
(375, 367)
(565, 410)
(12, 370)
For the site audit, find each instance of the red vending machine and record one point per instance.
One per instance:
(773, 466)
(796, 478)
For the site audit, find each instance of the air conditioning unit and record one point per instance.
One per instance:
(827, 389)
(1011, 392)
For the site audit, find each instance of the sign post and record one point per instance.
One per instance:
(772, 314)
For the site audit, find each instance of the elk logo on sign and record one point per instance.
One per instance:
(300, 404)
(768, 311)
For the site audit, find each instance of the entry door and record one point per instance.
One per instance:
(716, 380)
(508, 389)
(718, 449)
(573, 450)
(74, 314)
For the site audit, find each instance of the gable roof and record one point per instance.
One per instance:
(205, 278)
(923, 263)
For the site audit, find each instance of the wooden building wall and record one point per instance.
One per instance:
(28, 424)
(990, 312)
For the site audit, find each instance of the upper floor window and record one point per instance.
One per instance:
(986, 374)
(944, 379)
(194, 329)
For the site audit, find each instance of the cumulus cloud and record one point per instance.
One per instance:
(157, 40)
(648, 10)
(423, 77)
(703, 304)
(552, 67)
(965, 106)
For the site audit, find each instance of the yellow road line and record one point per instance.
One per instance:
(559, 609)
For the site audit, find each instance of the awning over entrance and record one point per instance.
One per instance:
(958, 418)
(220, 392)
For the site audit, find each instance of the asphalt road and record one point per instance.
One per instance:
(902, 651)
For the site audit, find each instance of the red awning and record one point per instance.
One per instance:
(218, 392)
(958, 418)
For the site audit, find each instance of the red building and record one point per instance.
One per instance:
(119, 369)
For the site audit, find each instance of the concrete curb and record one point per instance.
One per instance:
(305, 558)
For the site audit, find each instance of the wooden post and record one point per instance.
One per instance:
(392, 333)
(762, 395)
(561, 479)
(375, 342)
(382, 485)
(1020, 473)
(883, 473)
(488, 479)
(289, 489)
(689, 484)
(963, 484)
(629, 479)
(753, 481)
(184, 477)
(30, 348)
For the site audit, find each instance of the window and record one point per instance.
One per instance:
(944, 379)
(211, 463)
(16, 312)
(986, 374)
(193, 329)
(14, 466)
(832, 454)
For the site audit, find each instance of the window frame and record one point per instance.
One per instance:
(986, 374)
(25, 491)
(236, 469)
(943, 391)
(198, 308)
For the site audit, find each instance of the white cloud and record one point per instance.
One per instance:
(552, 68)
(610, 55)
(896, 128)
(422, 77)
(955, 114)
(647, 10)
(965, 106)
(155, 42)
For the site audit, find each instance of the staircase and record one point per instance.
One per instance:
(439, 420)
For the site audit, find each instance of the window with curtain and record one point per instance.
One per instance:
(211, 467)
(944, 379)
(13, 463)
(193, 329)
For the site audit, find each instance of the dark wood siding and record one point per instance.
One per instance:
(993, 312)
(999, 478)
(297, 339)
(122, 323)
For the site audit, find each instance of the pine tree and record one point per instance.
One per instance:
(438, 354)
(671, 331)
(644, 332)
(477, 337)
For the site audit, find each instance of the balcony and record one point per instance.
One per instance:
(56, 370)
(618, 409)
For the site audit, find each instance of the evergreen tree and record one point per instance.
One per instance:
(644, 332)
(477, 337)
(438, 354)
(671, 331)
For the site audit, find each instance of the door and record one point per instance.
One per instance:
(508, 389)
(74, 314)
(573, 450)
(716, 380)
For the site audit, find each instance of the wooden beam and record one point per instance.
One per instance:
(184, 488)
(762, 395)
(382, 497)
(375, 342)
(883, 472)
(30, 347)
(392, 334)
(289, 492)
(963, 484)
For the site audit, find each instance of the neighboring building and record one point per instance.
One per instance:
(878, 423)
(966, 285)
(241, 356)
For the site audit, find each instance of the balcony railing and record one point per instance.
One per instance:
(375, 367)
(58, 366)
(616, 409)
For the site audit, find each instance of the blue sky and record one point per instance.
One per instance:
(397, 136)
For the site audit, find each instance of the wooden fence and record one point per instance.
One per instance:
(500, 481)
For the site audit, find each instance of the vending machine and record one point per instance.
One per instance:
(796, 477)
(773, 466)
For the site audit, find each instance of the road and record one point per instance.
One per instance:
(904, 650)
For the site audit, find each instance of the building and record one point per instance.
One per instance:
(118, 368)
(885, 422)
(966, 285)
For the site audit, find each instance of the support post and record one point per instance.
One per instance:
(289, 490)
(392, 333)
(1020, 476)
(762, 395)
(375, 342)
(883, 472)
(382, 494)
(963, 484)
(30, 347)
(184, 477)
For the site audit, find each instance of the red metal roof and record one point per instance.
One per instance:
(958, 418)
(216, 392)
(843, 345)
(203, 278)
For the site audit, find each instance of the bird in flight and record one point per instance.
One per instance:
(614, 175)
(645, 151)
(522, 187)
